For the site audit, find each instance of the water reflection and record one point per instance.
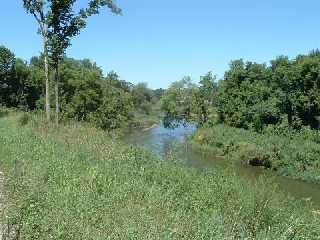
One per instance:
(160, 140)
(164, 142)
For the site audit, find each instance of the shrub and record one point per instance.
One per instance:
(3, 111)
(251, 154)
(24, 119)
(115, 110)
(76, 183)
(292, 153)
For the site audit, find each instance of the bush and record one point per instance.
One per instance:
(292, 153)
(252, 155)
(3, 111)
(76, 183)
(115, 110)
(24, 119)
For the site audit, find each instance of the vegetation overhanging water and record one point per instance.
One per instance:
(164, 142)
(77, 183)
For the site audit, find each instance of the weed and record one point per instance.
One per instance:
(77, 183)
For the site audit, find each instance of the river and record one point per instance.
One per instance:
(164, 142)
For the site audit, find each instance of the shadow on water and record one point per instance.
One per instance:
(164, 142)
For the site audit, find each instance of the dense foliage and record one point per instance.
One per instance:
(177, 102)
(76, 183)
(85, 93)
(58, 22)
(286, 92)
(20, 83)
(294, 154)
(279, 105)
(252, 96)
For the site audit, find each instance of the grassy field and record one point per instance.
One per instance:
(76, 183)
(296, 155)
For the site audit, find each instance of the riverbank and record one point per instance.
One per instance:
(141, 121)
(77, 183)
(144, 121)
(294, 155)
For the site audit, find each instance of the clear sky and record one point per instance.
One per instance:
(160, 41)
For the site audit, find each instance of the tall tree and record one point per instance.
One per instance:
(39, 9)
(7, 63)
(245, 98)
(142, 97)
(177, 102)
(205, 97)
(64, 24)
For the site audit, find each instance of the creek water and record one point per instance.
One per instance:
(164, 142)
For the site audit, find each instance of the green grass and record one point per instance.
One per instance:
(76, 183)
(296, 155)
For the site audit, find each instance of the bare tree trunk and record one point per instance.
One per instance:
(46, 73)
(57, 93)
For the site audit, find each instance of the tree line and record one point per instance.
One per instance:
(85, 93)
(58, 22)
(285, 92)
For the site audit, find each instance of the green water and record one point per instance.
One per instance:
(173, 142)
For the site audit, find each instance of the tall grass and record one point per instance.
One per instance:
(76, 183)
(4, 111)
(296, 155)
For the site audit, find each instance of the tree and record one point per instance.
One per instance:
(142, 97)
(158, 93)
(63, 25)
(20, 83)
(7, 63)
(177, 102)
(20, 78)
(297, 83)
(113, 79)
(115, 110)
(205, 97)
(81, 88)
(185, 101)
(245, 96)
(287, 92)
(34, 85)
(39, 10)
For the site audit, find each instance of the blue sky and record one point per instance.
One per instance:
(160, 41)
